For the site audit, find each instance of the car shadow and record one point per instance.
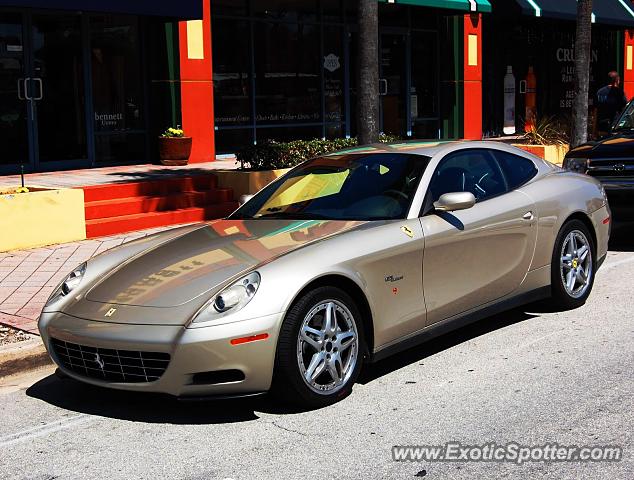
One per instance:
(75, 396)
(78, 397)
(450, 339)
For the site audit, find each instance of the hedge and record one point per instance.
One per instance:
(272, 155)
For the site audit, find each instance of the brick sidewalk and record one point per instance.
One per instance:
(28, 277)
(118, 174)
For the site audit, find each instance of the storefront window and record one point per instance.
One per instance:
(58, 66)
(332, 11)
(288, 70)
(164, 70)
(233, 139)
(117, 84)
(282, 134)
(229, 7)
(13, 117)
(232, 77)
(424, 85)
(288, 85)
(334, 74)
(287, 10)
(546, 48)
(120, 147)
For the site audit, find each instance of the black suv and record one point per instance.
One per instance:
(611, 161)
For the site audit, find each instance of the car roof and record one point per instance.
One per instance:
(416, 147)
(430, 148)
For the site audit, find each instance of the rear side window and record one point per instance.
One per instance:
(518, 170)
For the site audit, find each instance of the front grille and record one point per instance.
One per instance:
(120, 366)
(612, 167)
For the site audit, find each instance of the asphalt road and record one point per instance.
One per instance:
(531, 376)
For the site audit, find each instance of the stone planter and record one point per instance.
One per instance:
(245, 182)
(41, 217)
(174, 151)
(551, 153)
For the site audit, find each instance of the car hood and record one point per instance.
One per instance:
(186, 267)
(619, 145)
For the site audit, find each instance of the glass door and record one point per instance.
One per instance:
(14, 112)
(72, 90)
(56, 89)
(425, 84)
(393, 83)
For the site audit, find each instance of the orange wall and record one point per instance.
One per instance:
(473, 78)
(628, 74)
(197, 102)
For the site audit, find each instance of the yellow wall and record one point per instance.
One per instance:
(40, 218)
(247, 183)
(551, 153)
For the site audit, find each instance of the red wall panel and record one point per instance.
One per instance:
(197, 101)
(473, 79)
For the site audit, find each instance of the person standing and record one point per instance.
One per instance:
(610, 102)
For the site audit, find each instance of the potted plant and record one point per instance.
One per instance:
(174, 147)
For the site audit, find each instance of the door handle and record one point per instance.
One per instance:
(20, 92)
(382, 86)
(38, 80)
(27, 83)
(528, 216)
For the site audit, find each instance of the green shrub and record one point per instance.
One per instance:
(272, 155)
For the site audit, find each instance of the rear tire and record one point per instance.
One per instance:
(573, 265)
(320, 349)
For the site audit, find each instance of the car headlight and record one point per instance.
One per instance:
(231, 299)
(69, 284)
(579, 165)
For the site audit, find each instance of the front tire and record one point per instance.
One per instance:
(573, 265)
(320, 349)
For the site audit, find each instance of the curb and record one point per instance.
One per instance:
(23, 357)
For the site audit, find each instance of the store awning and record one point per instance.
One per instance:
(182, 9)
(466, 5)
(611, 12)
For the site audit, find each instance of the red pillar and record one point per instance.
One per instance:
(628, 65)
(472, 114)
(197, 93)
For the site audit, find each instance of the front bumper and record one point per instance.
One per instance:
(196, 350)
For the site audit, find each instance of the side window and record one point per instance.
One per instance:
(474, 171)
(518, 170)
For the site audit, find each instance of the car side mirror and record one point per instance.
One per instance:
(245, 198)
(450, 202)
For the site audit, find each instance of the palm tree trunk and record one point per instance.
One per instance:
(368, 93)
(582, 49)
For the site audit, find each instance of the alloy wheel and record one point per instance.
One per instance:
(576, 264)
(327, 347)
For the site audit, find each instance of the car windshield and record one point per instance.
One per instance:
(626, 120)
(342, 187)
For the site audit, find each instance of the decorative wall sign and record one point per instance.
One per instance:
(331, 62)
